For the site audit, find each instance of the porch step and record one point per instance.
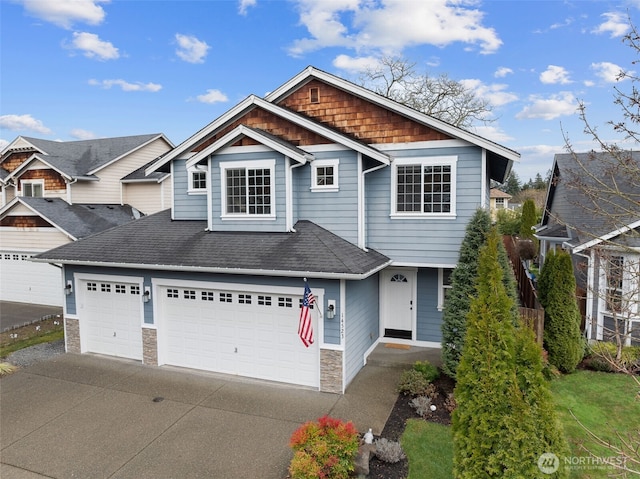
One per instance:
(393, 355)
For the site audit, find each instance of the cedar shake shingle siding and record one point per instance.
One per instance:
(52, 179)
(15, 160)
(352, 115)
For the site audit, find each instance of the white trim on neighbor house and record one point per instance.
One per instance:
(450, 161)
(18, 199)
(608, 236)
(36, 182)
(133, 150)
(24, 166)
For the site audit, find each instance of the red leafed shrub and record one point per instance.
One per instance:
(323, 449)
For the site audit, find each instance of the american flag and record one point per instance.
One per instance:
(305, 328)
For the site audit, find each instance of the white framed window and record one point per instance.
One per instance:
(444, 285)
(621, 284)
(324, 175)
(197, 180)
(424, 187)
(499, 203)
(34, 188)
(248, 189)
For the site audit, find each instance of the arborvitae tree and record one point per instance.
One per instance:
(495, 426)
(528, 219)
(463, 277)
(547, 277)
(562, 338)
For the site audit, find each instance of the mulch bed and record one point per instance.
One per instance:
(394, 427)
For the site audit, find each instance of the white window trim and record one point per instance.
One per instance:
(441, 288)
(255, 164)
(424, 161)
(31, 182)
(314, 176)
(191, 190)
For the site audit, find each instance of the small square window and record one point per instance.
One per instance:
(105, 287)
(135, 289)
(207, 296)
(226, 298)
(244, 298)
(285, 302)
(172, 293)
(324, 175)
(189, 294)
(121, 289)
(92, 287)
(264, 300)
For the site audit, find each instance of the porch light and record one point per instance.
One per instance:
(146, 296)
(331, 309)
(68, 289)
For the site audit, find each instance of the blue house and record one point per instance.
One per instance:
(321, 179)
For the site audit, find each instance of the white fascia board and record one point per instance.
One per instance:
(187, 144)
(36, 213)
(161, 135)
(24, 167)
(612, 234)
(237, 271)
(10, 145)
(242, 130)
(311, 72)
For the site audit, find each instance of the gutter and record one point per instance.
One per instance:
(237, 271)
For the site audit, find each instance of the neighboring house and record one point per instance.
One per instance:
(53, 193)
(601, 230)
(321, 179)
(498, 200)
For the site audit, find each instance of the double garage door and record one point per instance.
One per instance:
(227, 329)
(248, 333)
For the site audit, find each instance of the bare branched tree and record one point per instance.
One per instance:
(440, 97)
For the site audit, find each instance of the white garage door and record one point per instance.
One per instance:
(24, 281)
(253, 334)
(111, 318)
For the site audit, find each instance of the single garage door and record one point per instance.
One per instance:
(252, 334)
(24, 281)
(111, 318)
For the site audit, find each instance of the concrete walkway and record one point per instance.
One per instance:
(89, 416)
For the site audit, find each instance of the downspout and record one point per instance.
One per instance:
(289, 193)
(69, 183)
(362, 213)
(483, 187)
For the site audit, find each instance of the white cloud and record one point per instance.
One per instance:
(190, 49)
(554, 75)
(502, 72)
(616, 24)
(244, 6)
(355, 64)
(607, 71)
(23, 122)
(3, 144)
(65, 13)
(493, 133)
(126, 86)
(562, 104)
(495, 93)
(81, 134)
(390, 26)
(212, 96)
(93, 47)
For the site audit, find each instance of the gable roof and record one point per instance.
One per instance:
(594, 198)
(500, 158)
(78, 220)
(186, 246)
(80, 159)
(496, 193)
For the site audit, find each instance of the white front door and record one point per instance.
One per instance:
(398, 302)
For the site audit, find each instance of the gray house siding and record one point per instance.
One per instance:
(429, 319)
(362, 322)
(186, 206)
(423, 240)
(336, 211)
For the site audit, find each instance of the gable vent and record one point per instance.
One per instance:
(314, 95)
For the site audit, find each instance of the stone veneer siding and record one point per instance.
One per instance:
(331, 371)
(72, 335)
(149, 346)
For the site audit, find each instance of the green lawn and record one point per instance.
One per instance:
(605, 403)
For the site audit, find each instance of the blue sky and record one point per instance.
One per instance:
(80, 69)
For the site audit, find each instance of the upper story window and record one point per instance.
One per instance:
(324, 175)
(34, 188)
(197, 180)
(424, 187)
(247, 190)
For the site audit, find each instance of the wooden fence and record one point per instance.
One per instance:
(531, 311)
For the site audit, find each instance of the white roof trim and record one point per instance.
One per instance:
(242, 130)
(18, 199)
(160, 135)
(254, 101)
(9, 146)
(373, 97)
(36, 156)
(612, 234)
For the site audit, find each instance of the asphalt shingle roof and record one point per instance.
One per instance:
(185, 244)
(81, 220)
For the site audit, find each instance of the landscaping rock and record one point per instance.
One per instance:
(362, 459)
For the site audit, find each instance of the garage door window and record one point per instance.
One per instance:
(189, 294)
(135, 289)
(226, 298)
(264, 300)
(244, 298)
(121, 289)
(172, 293)
(285, 302)
(92, 287)
(105, 287)
(208, 296)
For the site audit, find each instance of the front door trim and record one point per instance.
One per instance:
(411, 274)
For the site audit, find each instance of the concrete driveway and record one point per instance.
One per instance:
(86, 416)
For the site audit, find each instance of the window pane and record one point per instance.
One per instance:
(409, 188)
(437, 180)
(199, 180)
(236, 191)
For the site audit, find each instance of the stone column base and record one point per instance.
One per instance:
(72, 335)
(331, 371)
(149, 346)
